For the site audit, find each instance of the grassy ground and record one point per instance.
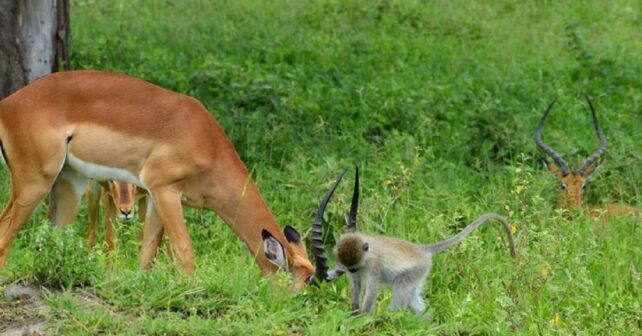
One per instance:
(435, 101)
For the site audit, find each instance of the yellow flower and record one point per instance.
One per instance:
(513, 229)
(544, 271)
(557, 321)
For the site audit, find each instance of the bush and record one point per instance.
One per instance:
(62, 258)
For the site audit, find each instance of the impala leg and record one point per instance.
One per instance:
(64, 199)
(21, 204)
(151, 238)
(110, 219)
(167, 204)
(142, 206)
(93, 210)
(170, 250)
(34, 165)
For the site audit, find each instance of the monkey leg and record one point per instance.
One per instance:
(416, 302)
(372, 291)
(355, 288)
(407, 288)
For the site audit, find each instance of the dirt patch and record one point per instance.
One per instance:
(22, 310)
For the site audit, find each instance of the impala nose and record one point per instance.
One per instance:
(125, 215)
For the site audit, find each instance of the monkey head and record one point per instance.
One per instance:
(350, 251)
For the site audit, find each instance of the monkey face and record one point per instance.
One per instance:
(350, 251)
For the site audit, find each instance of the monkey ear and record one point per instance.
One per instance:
(291, 234)
(365, 247)
(273, 250)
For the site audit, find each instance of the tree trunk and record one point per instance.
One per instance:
(34, 41)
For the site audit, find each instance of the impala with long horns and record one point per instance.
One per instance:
(65, 128)
(572, 182)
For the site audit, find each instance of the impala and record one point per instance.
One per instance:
(118, 199)
(572, 182)
(67, 127)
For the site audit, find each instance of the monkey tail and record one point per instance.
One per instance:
(444, 244)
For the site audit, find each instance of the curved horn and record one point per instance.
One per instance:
(538, 140)
(352, 218)
(318, 249)
(603, 143)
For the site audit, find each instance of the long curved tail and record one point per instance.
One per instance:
(444, 244)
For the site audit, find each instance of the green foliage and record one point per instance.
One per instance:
(436, 101)
(61, 258)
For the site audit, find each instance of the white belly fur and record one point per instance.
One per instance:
(101, 173)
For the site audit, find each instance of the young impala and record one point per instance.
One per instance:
(572, 182)
(118, 199)
(65, 128)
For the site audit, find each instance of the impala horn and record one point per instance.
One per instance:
(318, 249)
(317, 229)
(352, 218)
(538, 140)
(603, 143)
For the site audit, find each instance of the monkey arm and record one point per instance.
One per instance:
(372, 291)
(335, 273)
(355, 288)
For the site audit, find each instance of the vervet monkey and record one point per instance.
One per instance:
(373, 259)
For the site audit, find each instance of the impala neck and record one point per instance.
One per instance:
(237, 200)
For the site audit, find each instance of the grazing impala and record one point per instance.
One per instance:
(572, 182)
(118, 199)
(67, 127)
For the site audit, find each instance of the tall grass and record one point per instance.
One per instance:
(436, 102)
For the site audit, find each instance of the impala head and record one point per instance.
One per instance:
(124, 197)
(571, 182)
(296, 261)
(293, 258)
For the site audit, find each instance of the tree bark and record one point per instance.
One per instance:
(34, 41)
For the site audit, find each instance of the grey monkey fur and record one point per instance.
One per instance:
(373, 259)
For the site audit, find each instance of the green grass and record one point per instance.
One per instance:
(436, 102)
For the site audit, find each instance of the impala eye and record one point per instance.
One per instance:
(563, 186)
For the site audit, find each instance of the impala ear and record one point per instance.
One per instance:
(273, 250)
(291, 234)
(553, 168)
(589, 170)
